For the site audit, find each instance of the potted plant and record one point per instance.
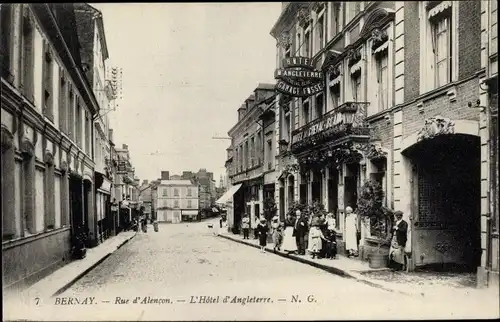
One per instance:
(370, 205)
(269, 208)
(80, 238)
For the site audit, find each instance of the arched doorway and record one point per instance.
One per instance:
(446, 203)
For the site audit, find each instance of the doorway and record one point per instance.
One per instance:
(351, 185)
(446, 202)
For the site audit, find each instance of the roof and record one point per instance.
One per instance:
(100, 26)
(265, 86)
(177, 183)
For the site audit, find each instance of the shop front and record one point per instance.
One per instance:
(105, 218)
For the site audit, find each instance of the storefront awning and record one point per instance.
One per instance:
(229, 194)
(189, 212)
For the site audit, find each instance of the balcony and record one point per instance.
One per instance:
(344, 122)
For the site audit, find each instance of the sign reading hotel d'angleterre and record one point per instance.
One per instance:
(299, 77)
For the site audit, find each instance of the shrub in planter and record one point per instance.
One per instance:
(370, 205)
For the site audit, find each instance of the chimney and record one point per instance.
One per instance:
(165, 175)
(111, 135)
(125, 147)
(144, 182)
(242, 111)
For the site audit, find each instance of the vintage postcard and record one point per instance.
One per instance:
(249, 161)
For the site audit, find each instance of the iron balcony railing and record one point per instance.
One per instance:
(347, 119)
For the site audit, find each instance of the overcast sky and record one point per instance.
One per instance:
(187, 68)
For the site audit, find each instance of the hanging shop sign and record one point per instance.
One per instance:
(299, 77)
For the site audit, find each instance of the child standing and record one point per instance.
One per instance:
(315, 238)
(262, 231)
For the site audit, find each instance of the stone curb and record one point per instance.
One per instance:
(86, 271)
(334, 270)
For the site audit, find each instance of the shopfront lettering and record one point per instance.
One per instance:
(299, 77)
(329, 122)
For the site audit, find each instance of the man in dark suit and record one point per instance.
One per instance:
(300, 231)
(398, 243)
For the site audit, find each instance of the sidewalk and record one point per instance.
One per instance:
(360, 271)
(67, 275)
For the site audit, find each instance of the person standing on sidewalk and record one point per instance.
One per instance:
(262, 231)
(275, 225)
(300, 231)
(316, 238)
(398, 242)
(289, 244)
(245, 226)
(351, 232)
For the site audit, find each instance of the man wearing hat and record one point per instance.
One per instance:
(398, 243)
(300, 231)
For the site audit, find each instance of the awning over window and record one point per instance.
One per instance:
(334, 81)
(381, 48)
(356, 67)
(439, 8)
(229, 194)
(190, 213)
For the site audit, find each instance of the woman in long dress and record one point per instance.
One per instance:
(289, 244)
(351, 238)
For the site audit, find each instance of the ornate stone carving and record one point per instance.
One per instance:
(303, 16)
(379, 37)
(284, 40)
(334, 71)
(435, 126)
(64, 166)
(318, 6)
(354, 55)
(7, 138)
(27, 147)
(48, 158)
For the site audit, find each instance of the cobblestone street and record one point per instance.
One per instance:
(183, 261)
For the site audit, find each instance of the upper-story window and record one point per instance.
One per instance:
(320, 29)
(494, 30)
(27, 57)
(164, 192)
(246, 157)
(356, 86)
(269, 154)
(382, 60)
(189, 192)
(307, 41)
(305, 112)
(190, 203)
(47, 108)
(252, 151)
(285, 129)
(63, 92)
(336, 18)
(319, 105)
(176, 192)
(438, 41)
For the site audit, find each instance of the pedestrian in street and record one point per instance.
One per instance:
(256, 224)
(289, 243)
(316, 238)
(277, 233)
(322, 225)
(245, 225)
(300, 230)
(351, 231)
(331, 235)
(398, 242)
(262, 231)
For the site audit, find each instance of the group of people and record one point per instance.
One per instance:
(290, 235)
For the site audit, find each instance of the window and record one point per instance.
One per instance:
(165, 192)
(442, 50)
(356, 86)
(335, 19)
(176, 203)
(353, 8)
(5, 45)
(383, 81)
(63, 92)
(8, 194)
(49, 195)
(258, 147)
(305, 112)
(78, 134)
(47, 82)
(27, 59)
(307, 44)
(319, 105)
(494, 26)
(320, 31)
(176, 192)
(87, 133)
(285, 132)
(335, 95)
(246, 157)
(190, 204)
(71, 115)
(189, 192)
(269, 154)
(252, 151)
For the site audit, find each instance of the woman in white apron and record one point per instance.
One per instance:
(289, 244)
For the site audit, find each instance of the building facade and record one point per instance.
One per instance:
(398, 107)
(47, 162)
(246, 162)
(177, 201)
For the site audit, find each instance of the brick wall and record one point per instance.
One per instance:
(413, 119)
(381, 129)
(469, 42)
(412, 50)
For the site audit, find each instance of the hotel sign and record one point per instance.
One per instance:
(299, 77)
(332, 121)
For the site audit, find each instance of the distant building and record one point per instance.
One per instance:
(177, 200)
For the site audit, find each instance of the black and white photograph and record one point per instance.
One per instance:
(249, 161)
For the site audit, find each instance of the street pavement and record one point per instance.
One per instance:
(185, 272)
